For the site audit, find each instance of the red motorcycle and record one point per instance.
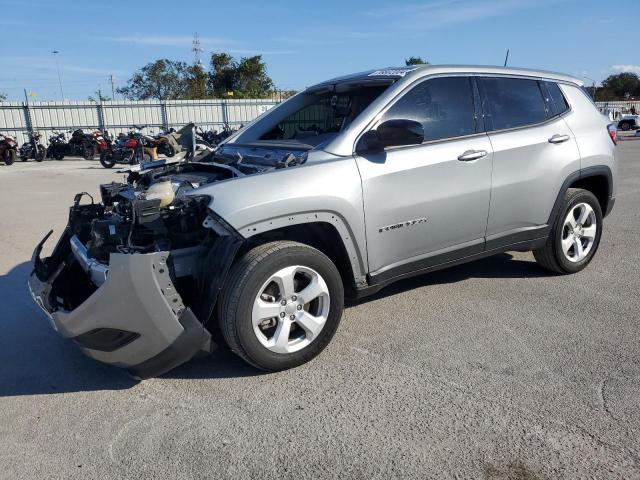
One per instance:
(8, 149)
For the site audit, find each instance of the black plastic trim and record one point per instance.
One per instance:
(457, 257)
(105, 339)
(183, 349)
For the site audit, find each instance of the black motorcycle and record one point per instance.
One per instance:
(57, 145)
(32, 148)
(79, 145)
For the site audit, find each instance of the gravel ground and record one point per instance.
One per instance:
(493, 369)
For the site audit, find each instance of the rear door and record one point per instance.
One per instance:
(533, 153)
(423, 202)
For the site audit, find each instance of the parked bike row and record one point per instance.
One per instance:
(126, 148)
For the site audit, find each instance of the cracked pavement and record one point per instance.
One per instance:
(493, 369)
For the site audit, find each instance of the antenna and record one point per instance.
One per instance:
(506, 58)
(196, 49)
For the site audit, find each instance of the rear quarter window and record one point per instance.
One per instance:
(513, 102)
(557, 102)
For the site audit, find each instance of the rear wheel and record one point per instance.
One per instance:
(281, 305)
(575, 235)
(88, 153)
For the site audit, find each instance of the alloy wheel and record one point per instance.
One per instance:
(291, 309)
(579, 232)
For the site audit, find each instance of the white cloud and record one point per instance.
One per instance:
(207, 43)
(627, 69)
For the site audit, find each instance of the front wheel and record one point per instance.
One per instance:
(40, 153)
(281, 305)
(167, 150)
(107, 159)
(626, 126)
(575, 235)
(9, 157)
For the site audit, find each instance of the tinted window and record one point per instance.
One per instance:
(444, 106)
(557, 101)
(514, 102)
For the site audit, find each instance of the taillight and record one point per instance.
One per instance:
(612, 133)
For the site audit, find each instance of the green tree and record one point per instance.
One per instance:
(163, 80)
(196, 83)
(246, 78)
(3, 97)
(415, 61)
(253, 81)
(617, 86)
(223, 76)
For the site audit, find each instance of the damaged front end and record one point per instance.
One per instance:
(134, 279)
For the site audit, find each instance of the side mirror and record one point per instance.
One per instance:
(392, 133)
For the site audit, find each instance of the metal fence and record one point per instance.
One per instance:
(17, 118)
(616, 108)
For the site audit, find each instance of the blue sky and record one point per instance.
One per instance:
(303, 42)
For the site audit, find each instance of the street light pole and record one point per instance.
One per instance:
(593, 86)
(55, 55)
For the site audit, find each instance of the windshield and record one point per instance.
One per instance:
(325, 115)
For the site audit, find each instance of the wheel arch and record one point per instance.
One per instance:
(325, 231)
(597, 179)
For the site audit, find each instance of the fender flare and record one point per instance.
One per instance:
(332, 218)
(594, 171)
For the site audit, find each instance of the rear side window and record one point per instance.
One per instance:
(513, 102)
(444, 106)
(557, 102)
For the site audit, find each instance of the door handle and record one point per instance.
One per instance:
(559, 138)
(470, 155)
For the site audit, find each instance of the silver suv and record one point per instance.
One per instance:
(348, 186)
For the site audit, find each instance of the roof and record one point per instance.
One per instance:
(417, 71)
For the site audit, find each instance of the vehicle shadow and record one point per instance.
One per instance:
(503, 265)
(35, 360)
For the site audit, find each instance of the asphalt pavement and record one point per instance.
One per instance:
(495, 369)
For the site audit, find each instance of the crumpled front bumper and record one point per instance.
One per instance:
(135, 319)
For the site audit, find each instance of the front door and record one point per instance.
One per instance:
(426, 204)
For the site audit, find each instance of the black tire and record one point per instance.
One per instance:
(40, 153)
(58, 156)
(551, 257)
(625, 126)
(23, 158)
(9, 157)
(106, 159)
(88, 153)
(247, 276)
(167, 150)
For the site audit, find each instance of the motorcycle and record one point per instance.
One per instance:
(80, 144)
(212, 138)
(129, 149)
(32, 148)
(103, 141)
(57, 145)
(8, 149)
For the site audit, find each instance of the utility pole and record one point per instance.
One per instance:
(113, 90)
(196, 49)
(506, 58)
(55, 55)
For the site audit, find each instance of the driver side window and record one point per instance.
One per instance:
(443, 105)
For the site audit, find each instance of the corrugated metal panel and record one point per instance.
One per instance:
(119, 116)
